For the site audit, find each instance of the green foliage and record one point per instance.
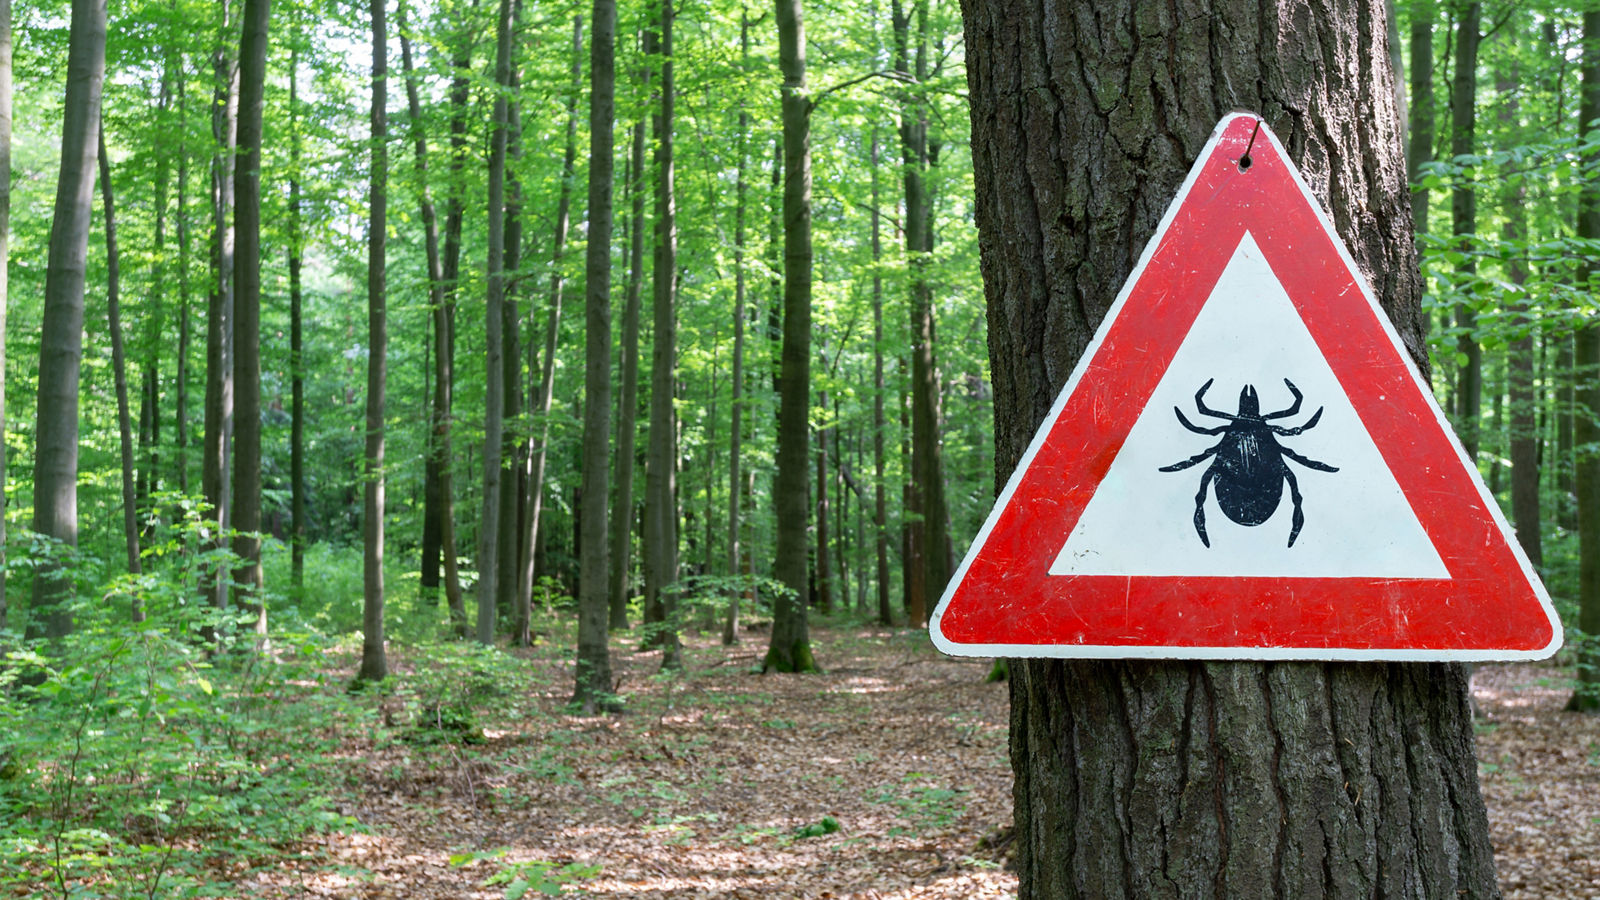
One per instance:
(519, 878)
(826, 825)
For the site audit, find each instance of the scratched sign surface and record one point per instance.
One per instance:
(1246, 464)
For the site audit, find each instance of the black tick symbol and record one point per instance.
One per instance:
(1249, 468)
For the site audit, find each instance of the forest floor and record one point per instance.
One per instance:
(884, 777)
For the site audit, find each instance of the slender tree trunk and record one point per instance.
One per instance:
(1422, 111)
(1464, 219)
(512, 445)
(880, 515)
(297, 374)
(374, 664)
(181, 416)
(119, 369)
(215, 453)
(1524, 431)
(1317, 779)
(730, 620)
(660, 499)
(1586, 366)
(824, 529)
(5, 270)
(790, 648)
(539, 439)
(55, 469)
(628, 403)
(247, 312)
(593, 687)
(443, 509)
(494, 397)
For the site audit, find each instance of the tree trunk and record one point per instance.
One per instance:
(5, 269)
(1205, 779)
(593, 688)
(660, 492)
(539, 439)
(494, 386)
(927, 456)
(512, 445)
(119, 369)
(880, 514)
(1525, 437)
(181, 378)
(628, 403)
(441, 286)
(1464, 222)
(247, 312)
(55, 468)
(1422, 111)
(730, 620)
(824, 573)
(1586, 363)
(374, 664)
(214, 481)
(790, 647)
(297, 373)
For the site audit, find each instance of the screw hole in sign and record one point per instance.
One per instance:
(1244, 161)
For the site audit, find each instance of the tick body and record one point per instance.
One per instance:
(1249, 467)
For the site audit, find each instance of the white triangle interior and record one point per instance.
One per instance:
(1140, 521)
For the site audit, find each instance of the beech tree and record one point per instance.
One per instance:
(374, 664)
(55, 468)
(1318, 780)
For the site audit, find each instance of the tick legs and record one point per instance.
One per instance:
(1293, 408)
(1294, 495)
(1191, 461)
(1200, 508)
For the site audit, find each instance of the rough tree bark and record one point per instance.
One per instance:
(1202, 779)
(55, 467)
(790, 646)
(593, 687)
(374, 662)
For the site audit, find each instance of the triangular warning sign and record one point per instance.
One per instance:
(1245, 464)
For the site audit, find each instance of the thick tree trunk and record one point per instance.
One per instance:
(1464, 223)
(628, 403)
(494, 387)
(512, 445)
(55, 468)
(1586, 363)
(660, 492)
(790, 647)
(593, 687)
(539, 441)
(1202, 779)
(374, 663)
(214, 480)
(119, 370)
(247, 312)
